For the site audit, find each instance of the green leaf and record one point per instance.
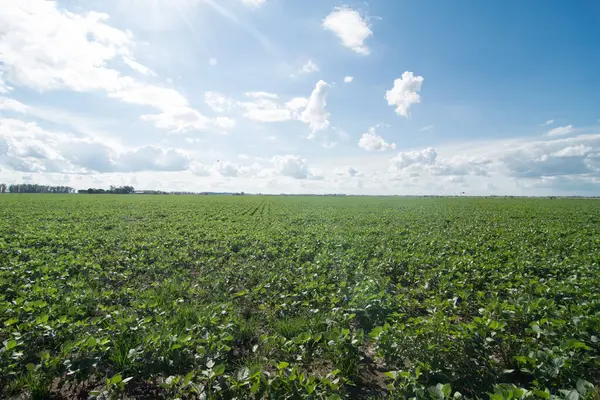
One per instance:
(255, 386)
(391, 374)
(436, 392)
(573, 395)
(577, 344)
(542, 394)
(30, 367)
(583, 386)
(188, 378)
(11, 344)
(282, 365)
(219, 370)
(374, 334)
(42, 319)
(11, 321)
(446, 389)
(242, 374)
(116, 379)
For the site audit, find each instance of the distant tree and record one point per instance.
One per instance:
(3, 187)
(33, 188)
(113, 189)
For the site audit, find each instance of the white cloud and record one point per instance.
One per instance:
(4, 88)
(30, 148)
(291, 166)
(178, 119)
(348, 79)
(199, 169)
(404, 159)
(297, 104)
(315, 113)
(47, 48)
(212, 61)
(427, 128)
(370, 141)
(405, 93)
(561, 130)
(347, 172)
(308, 68)
(224, 123)
(254, 3)
(263, 109)
(152, 158)
(217, 102)
(268, 107)
(136, 66)
(12, 105)
(573, 151)
(261, 95)
(571, 156)
(149, 95)
(350, 27)
(549, 122)
(227, 169)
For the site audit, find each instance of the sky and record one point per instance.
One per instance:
(386, 97)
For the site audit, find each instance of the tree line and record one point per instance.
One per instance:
(112, 190)
(34, 188)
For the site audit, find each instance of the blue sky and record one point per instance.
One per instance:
(379, 97)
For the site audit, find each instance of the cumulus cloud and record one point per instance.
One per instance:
(30, 148)
(269, 107)
(427, 164)
(291, 166)
(404, 159)
(579, 155)
(227, 169)
(297, 104)
(348, 79)
(350, 27)
(371, 141)
(47, 48)
(561, 130)
(315, 114)
(405, 93)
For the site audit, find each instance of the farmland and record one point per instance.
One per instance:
(298, 297)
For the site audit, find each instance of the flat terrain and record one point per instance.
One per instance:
(298, 297)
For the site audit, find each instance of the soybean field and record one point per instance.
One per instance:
(275, 297)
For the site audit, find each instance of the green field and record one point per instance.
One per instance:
(298, 297)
